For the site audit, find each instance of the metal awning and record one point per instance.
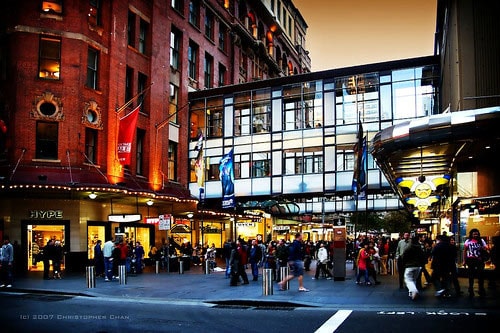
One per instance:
(438, 146)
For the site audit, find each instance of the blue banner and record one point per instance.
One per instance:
(226, 175)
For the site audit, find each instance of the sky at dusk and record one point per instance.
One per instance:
(347, 33)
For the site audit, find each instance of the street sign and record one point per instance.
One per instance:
(164, 222)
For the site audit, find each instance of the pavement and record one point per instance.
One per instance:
(195, 286)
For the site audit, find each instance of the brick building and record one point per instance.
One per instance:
(70, 71)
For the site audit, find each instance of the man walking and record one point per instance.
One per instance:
(296, 261)
(107, 251)
(403, 244)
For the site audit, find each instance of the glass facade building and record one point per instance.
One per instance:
(294, 138)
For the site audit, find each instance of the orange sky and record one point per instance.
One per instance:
(344, 33)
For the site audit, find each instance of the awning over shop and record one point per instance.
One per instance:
(419, 157)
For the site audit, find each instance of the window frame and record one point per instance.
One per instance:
(49, 59)
(93, 69)
(46, 140)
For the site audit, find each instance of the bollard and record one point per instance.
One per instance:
(207, 266)
(284, 271)
(90, 275)
(122, 274)
(267, 281)
(181, 266)
(157, 267)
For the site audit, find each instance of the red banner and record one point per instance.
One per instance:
(126, 135)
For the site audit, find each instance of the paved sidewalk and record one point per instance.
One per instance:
(195, 286)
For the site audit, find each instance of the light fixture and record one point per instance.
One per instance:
(92, 195)
(150, 202)
(190, 215)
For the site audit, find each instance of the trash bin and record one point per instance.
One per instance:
(122, 274)
(284, 272)
(90, 275)
(267, 281)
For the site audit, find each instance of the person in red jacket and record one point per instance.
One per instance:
(363, 260)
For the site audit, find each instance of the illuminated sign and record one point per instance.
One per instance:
(123, 218)
(46, 214)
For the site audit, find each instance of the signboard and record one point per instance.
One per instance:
(120, 218)
(164, 222)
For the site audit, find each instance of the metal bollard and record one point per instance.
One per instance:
(157, 267)
(284, 271)
(181, 266)
(267, 281)
(122, 274)
(90, 275)
(207, 266)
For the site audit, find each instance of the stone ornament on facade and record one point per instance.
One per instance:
(47, 107)
(92, 115)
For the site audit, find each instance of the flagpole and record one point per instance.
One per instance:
(124, 106)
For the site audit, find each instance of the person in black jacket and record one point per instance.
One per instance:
(413, 259)
(255, 257)
(443, 262)
(48, 254)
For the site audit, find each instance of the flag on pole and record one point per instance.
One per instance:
(126, 133)
(359, 183)
(199, 168)
(226, 175)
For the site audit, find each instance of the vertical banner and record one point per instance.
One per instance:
(226, 175)
(360, 160)
(126, 135)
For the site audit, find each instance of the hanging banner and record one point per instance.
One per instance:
(226, 175)
(126, 135)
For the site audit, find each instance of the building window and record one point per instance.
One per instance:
(92, 68)
(142, 82)
(95, 12)
(139, 163)
(46, 140)
(222, 37)
(175, 45)
(174, 98)
(91, 145)
(222, 75)
(242, 121)
(54, 6)
(49, 58)
(209, 25)
(260, 165)
(143, 32)
(194, 13)
(178, 5)
(172, 161)
(192, 60)
(208, 74)
(214, 119)
(303, 161)
(131, 29)
(129, 78)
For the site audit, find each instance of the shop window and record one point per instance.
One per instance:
(49, 62)
(215, 123)
(91, 145)
(46, 140)
(92, 68)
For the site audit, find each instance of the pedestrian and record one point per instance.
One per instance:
(413, 258)
(57, 259)
(226, 252)
(322, 262)
(475, 251)
(139, 256)
(454, 271)
(442, 265)
(296, 262)
(362, 264)
(254, 257)
(373, 262)
(98, 258)
(427, 248)
(494, 260)
(237, 261)
(383, 250)
(107, 251)
(48, 253)
(6, 263)
(402, 245)
(281, 254)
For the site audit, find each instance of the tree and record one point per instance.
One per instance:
(397, 221)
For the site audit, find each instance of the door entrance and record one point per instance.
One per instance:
(37, 237)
